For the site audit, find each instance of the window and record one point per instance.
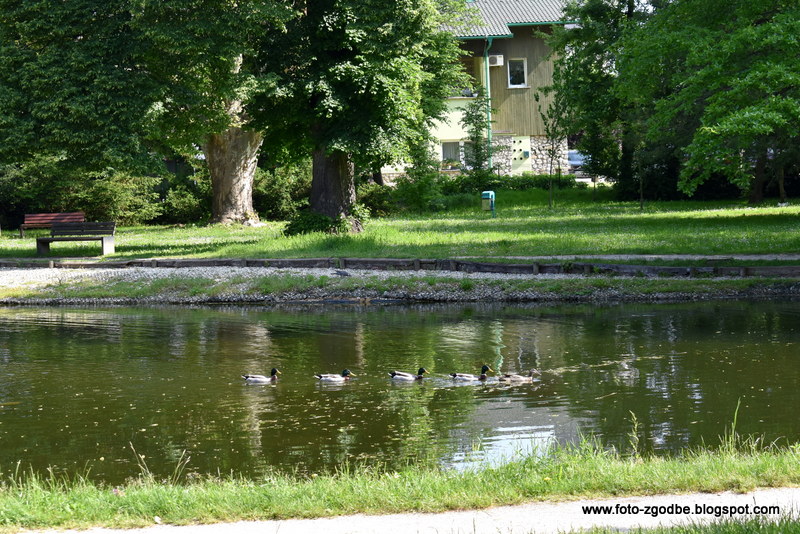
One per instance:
(518, 73)
(451, 151)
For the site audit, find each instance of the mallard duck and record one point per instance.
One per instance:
(408, 377)
(472, 378)
(261, 379)
(520, 378)
(346, 374)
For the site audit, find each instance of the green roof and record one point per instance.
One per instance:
(498, 16)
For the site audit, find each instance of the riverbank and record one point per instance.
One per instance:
(271, 285)
(763, 510)
(562, 474)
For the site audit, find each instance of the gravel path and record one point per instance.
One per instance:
(10, 277)
(538, 518)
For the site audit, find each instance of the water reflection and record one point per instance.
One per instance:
(82, 389)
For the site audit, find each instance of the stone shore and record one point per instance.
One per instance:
(44, 284)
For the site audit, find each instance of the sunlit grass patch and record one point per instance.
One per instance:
(584, 470)
(525, 226)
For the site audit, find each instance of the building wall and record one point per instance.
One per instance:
(516, 110)
(517, 128)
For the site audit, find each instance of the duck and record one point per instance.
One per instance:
(472, 378)
(408, 377)
(346, 374)
(520, 378)
(261, 379)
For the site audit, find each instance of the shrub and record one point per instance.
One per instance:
(279, 193)
(186, 194)
(377, 198)
(47, 184)
(420, 192)
(307, 221)
(119, 196)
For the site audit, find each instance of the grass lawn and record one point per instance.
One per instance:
(30, 501)
(524, 226)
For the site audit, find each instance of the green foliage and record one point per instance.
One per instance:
(477, 169)
(46, 184)
(585, 75)
(360, 78)
(119, 196)
(722, 105)
(377, 198)
(521, 182)
(187, 198)
(737, 84)
(279, 193)
(308, 221)
(419, 193)
(71, 84)
(420, 188)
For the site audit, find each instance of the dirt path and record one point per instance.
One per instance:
(539, 518)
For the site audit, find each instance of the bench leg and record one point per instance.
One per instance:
(108, 245)
(42, 248)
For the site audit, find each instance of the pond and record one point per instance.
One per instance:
(104, 392)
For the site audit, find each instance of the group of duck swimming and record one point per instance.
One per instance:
(400, 376)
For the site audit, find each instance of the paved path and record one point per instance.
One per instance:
(535, 518)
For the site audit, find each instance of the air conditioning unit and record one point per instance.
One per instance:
(496, 60)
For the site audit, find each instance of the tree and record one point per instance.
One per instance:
(585, 75)
(200, 54)
(477, 151)
(70, 86)
(555, 120)
(358, 81)
(104, 84)
(726, 99)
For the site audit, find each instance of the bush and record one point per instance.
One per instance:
(420, 192)
(119, 196)
(186, 194)
(475, 183)
(307, 221)
(379, 199)
(47, 184)
(527, 181)
(280, 193)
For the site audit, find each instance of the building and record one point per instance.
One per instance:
(511, 62)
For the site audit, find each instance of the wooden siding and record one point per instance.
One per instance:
(515, 109)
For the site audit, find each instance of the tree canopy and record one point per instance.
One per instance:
(709, 93)
(358, 82)
(113, 83)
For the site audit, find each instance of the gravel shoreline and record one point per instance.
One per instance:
(43, 285)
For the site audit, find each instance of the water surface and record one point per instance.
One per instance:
(107, 391)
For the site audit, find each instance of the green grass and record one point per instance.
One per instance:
(750, 526)
(30, 501)
(525, 226)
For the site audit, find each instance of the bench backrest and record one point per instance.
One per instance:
(50, 218)
(83, 228)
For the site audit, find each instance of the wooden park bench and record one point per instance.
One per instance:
(46, 220)
(79, 231)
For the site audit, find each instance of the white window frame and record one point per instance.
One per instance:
(524, 73)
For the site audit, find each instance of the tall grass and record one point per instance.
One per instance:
(784, 525)
(524, 226)
(28, 500)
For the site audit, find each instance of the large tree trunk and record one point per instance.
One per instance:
(781, 183)
(232, 157)
(759, 179)
(333, 190)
